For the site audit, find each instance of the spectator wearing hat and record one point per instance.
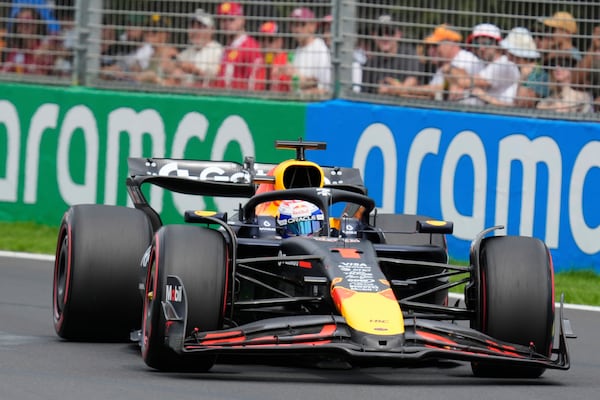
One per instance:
(560, 42)
(200, 61)
(277, 76)
(452, 63)
(521, 49)
(156, 58)
(553, 38)
(563, 97)
(499, 77)
(427, 53)
(588, 69)
(311, 60)
(242, 65)
(534, 79)
(395, 63)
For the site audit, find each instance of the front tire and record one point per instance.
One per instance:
(96, 272)
(198, 257)
(516, 299)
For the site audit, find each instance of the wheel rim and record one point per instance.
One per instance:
(149, 296)
(61, 280)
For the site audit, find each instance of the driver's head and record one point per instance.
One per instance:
(299, 218)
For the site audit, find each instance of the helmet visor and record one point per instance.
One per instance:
(303, 228)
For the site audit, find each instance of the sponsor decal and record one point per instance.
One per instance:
(266, 224)
(292, 220)
(335, 239)
(212, 173)
(301, 264)
(359, 277)
(324, 192)
(173, 293)
(73, 149)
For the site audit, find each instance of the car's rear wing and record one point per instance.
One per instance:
(217, 178)
(199, 177)
(204, 178)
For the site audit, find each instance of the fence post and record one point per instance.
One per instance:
(88, 22)
(343, 34)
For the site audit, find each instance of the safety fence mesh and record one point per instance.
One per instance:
(497, 56)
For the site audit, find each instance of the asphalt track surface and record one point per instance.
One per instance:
(36, 364)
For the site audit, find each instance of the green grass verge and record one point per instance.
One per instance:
(579, 287)
(28, 237)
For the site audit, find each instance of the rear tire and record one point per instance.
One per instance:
(516, 299)
(96, 272)
(198, 256)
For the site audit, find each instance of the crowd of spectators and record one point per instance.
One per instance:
(545, 71)
(240, 61)
(539, 68)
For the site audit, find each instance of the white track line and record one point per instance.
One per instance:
(28, 256)
(455, 296)
(581, 307)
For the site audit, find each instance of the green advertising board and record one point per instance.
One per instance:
(65, 146)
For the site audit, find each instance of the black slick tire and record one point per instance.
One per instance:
(198, 257)
(96, 272)
(516, 300)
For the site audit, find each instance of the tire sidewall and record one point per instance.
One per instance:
(205, 311)
(516, 298)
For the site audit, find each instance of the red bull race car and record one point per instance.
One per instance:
(305, 267)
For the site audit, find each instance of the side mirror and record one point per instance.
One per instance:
(434, 226)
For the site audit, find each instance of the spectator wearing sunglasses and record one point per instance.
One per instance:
(499, 77)
(563, 97)
(393, 63)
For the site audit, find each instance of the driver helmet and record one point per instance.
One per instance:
(299, 218)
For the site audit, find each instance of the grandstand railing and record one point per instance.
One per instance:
(75, 42)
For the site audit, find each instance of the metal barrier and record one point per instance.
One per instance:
(516, 57)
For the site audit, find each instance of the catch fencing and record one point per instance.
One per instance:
(137, 45)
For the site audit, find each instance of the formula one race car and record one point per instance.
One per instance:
(305, 267)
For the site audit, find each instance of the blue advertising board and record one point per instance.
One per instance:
(535, 177)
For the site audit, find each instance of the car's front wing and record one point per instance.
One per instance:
(323, 337)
